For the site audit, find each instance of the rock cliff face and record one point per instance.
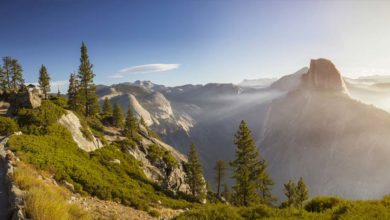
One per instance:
(31, 98)
(339, 145)
(72, 123)
(169, 177)
(323, 75)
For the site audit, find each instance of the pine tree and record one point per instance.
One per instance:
(302, 193)
(194, 175)
(245, 167)
(6, 74)
(252, 182)
(290, 193)
(118, 116)
(264, 183)
(107, 108)
(16, 75)
(87, 88)
(44, 81)
(73, 92)
(1, 80)
(220, 172)
(131, 124)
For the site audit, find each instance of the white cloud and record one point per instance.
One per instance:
(148, 68)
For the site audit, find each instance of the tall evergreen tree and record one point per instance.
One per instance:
(302, 193)
(118, 116)
(131, 124)
(16, 75)
(44, 81)
(220, 172)
(264, 183)
(87, 88)
(1, 79)
(6, 73)
(252, 182)
(245, 167)
(73, 92)
(290, 193)
(107, 108)
(194, 175)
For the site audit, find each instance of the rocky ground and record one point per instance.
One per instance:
(101, 209)
(3, 187)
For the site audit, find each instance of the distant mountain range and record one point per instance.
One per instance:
(305, 124)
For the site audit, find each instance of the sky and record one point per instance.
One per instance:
(176, 42)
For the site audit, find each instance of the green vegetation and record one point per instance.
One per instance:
(158, 155)
(86, 89)
(220, 173)
(44, 201)
(118, 116)
(44, 81)
(131, 125)
(94, 173)
(252, 182)
(72, 92)
(36, 121)
(7, 126)
(194, 177)
(346, 210)
(11, 75)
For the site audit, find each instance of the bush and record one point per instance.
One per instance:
(60, 101)
(154, 213)
(93, 173)
(322, 203)
(36, 121)
(211, 212)
(7, 126)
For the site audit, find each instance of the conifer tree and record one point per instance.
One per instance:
(1, 79)
(290, 193)
(302, 193)
(6, 73)
(87, 88)
(5, 76)
(107, 108)
(73, 92)
(16, 75)
(118, 116)
(44, 81)
(220, 172)
(194, 175)
(264, 183)
(245, 167)
(131, 124)
(252, 182)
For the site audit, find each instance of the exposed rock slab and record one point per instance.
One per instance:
(72, 123)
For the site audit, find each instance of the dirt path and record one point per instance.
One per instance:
(3, 188)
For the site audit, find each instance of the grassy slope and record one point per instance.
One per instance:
(93, 173)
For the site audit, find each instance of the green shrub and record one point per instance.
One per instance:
(94, 173)
(322, 203)
(60, 101)
(36, 121)
(157, 154)
(211, 212)
(7, 126)
(154, 213)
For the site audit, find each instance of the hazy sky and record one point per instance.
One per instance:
(179, 42)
